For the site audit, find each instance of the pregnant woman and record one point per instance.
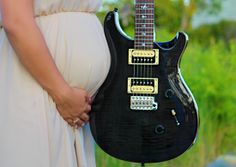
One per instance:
(53, 59)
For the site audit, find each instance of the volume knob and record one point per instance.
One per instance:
(169, 93)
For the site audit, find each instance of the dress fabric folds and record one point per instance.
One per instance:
(32, 132)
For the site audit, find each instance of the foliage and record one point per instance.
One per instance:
(210, 73)
(224, 30)
(171, 14)
(212, 6)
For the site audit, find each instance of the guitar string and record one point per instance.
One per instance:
(145, 41)
(135, 46)
(141, 44)
(152, 12)
(138, 43)
(144, 37)
(146, 33)
(153, 25)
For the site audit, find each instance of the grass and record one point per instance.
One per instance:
(210, 72)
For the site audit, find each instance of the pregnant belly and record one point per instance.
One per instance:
(78, 46)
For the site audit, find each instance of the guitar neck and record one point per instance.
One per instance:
(144, 24)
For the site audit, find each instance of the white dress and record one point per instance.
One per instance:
(32, 132)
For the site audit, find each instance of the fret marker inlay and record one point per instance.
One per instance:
(144, 7)
(144, 17)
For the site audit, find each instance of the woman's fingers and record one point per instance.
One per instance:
(70, 122)
(88, 108)
(79, 122)
(75, 106)
(84, 117)
(89, 100)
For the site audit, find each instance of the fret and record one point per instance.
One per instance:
(148, 12)
(144, 8)
(144, 12)
(141, 36)
(146, 20)
(144, 17)
(150, 15)
(143, 21)
(144, 25)
(138, 18)
(144, 46)
(144, 43)
(147, 24)
(142, 28)
(144, 2)
(141, 33)
(144, 5)
(145, 40)
(140, 14)
(144, 37)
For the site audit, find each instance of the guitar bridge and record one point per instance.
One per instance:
(143, 57)
(143, 85)
(143, 103)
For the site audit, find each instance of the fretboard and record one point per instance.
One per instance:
(144, 24)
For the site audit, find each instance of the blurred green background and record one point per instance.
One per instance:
(208, 67)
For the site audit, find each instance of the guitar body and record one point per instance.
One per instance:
(139, 135)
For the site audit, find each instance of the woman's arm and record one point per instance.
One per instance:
(29, 45)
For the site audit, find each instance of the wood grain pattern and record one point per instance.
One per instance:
(138, 136)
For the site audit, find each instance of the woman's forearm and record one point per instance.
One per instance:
(29, 45)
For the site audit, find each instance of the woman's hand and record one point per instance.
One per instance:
(74, 105)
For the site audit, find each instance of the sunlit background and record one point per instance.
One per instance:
(208, 67)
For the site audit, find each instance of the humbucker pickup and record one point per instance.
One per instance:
(143, 103)
(143, 85)
(143, 57)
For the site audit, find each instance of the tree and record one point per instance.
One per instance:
(173, 15)
(193, 6)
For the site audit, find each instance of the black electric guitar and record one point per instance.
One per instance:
(143, 112)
